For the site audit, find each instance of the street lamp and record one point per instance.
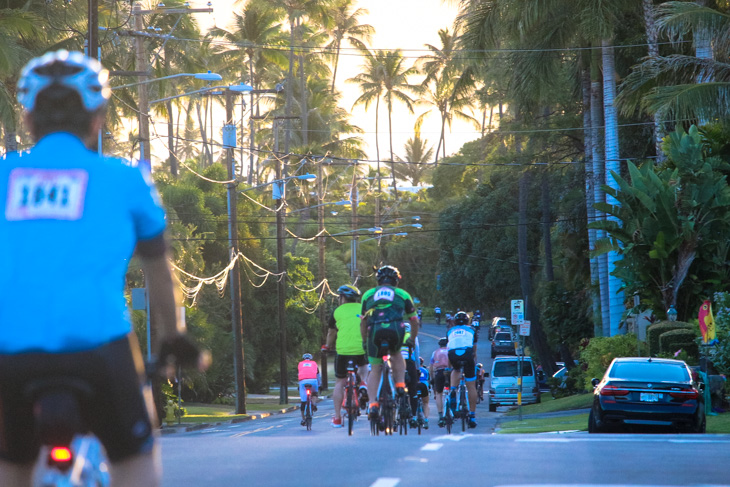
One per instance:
(202, 76)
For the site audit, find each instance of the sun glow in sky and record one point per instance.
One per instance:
(399, 24)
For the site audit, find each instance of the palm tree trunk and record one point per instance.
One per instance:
(334, 70)
(202, 133)
(590, 211)
(616, 301)
(652, 36)
(377, 156)
(547, 241)
(289, 86)
(598, 194)
(171, 141)
(441, 138)
(392, 157)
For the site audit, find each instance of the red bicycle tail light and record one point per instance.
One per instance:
(685, 394)
(61, 454)
(613, 391)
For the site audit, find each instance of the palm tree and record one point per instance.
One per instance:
(343, 24)
(370, 81)
(448, 86)
(677, 85)
(415, 165)
(395, 88)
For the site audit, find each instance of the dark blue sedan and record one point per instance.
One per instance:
(647, 393)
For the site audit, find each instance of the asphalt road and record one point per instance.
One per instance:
(278, 451)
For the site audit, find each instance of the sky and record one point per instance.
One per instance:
(404, 24)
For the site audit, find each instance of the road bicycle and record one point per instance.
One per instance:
(403, 413)
(480, 391)
(385, 421)
(308, 407)
(352, 405)
(420, 416)
(69, 455)
(448, 410)
(462, 411)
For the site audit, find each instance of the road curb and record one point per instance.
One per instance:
(171, 429)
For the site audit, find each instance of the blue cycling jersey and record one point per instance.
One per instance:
(70, 224)
(423, 375)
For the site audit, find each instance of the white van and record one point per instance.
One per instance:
(503, 387)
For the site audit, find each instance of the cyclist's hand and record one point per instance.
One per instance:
(409, 342)
(180, 349)
(324, 348)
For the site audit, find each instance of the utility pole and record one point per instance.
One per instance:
(353, 250)
(251, 141)
(281, 270)
(93, 34)
(322, 269)
(140, 64)
(235, 283)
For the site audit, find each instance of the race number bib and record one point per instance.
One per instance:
(46, 194)
(384, 294)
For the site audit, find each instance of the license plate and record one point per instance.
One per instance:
(649, 397)
(511, 391)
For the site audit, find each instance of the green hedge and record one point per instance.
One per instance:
(671, 341)
(657, 329)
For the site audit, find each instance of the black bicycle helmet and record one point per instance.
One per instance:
(461, 318)
(443, 342)
(348, 291)
(388, 275)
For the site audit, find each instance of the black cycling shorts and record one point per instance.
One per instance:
(393, 334)
(466, 360)
(422, 390)
(439, 380)
(341, 364)
(116, 412)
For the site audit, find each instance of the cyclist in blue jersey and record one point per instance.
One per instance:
(424, 386)
(462, 348)
(76, 219)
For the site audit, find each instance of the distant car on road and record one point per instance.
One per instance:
(650, 392)
(499, 324)
(502, 344)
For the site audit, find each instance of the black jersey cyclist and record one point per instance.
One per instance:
(384, 308)
(75, 237)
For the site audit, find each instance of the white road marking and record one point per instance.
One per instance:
(432, 446)
(386, 482)
(453, 437)
(416, 459)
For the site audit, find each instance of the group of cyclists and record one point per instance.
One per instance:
(386, 314)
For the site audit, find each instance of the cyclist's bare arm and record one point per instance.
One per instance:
(331, 337)
(414, 326)
(161, 287)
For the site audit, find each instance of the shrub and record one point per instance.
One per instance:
(657, 329)
(681, 339)
(600, 351)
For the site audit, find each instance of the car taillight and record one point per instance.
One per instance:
(613, 391)
(685, 394)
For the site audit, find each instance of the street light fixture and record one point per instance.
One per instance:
(202, 76)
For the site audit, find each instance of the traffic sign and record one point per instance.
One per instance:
(525, 328)
(518, 311)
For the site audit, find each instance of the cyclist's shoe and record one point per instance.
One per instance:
(413, 423)
(425, 424)
(472, 422)
(362, 396)
(442, 421)
(337, 422)
(400, 391)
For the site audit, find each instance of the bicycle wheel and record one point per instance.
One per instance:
(419, 414)
(308, 415)
(350, 412)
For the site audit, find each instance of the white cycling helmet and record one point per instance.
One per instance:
(73, 70)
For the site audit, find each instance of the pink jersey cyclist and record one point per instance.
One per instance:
(308, 374)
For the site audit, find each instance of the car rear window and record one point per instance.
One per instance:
(503, 337)
(508, 368)
(655, 371)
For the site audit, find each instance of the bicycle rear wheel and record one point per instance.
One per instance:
(351, 406)
(308, 416)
